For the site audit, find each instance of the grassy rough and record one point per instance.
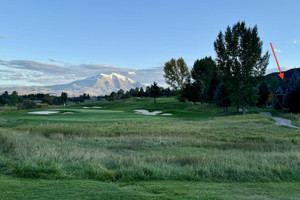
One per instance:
(197, 143)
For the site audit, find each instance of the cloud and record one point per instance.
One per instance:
(285, 68)
(54, 60)
(9, 75)
(296, 41)
(40, 73)
(3, 37)
(34, 66)
(6, 71)
(277, 50)
(148, 76)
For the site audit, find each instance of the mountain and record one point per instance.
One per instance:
(287, 74)
(273, 79)
(101, 84)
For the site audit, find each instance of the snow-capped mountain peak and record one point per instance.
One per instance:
(100, 84)
(118, 76)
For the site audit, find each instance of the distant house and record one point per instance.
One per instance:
(282, 91)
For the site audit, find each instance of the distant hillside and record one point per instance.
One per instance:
(273, 79)
(101, 84)
(287, 74)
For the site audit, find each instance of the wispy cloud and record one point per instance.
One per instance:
(2, 37)
(277, 50)
(148, 76)
(59, 73)
(6, 71)
(54, 60)
(285, 68)
(296, 41)
(34, 66)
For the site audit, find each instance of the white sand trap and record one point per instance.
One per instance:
(146, 112)
(167, 114)
(65, 113)
(46, 112)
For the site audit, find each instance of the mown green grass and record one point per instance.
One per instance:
(12, 188)
(124, 110)
(198, 143)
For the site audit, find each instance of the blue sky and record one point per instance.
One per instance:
(82, 37)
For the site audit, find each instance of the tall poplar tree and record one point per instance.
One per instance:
(240, 62)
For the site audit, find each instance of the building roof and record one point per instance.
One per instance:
(283, 86)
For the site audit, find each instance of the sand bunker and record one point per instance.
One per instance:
(68, 113)
(146, 112)
(167, 114)
(45, 112)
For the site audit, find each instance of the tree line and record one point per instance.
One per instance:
(30, 101)
(232, 78)
(235, 77)
(151, 91)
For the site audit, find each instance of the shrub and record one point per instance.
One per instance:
(43, 105)
(27, 104)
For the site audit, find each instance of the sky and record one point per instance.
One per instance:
(59, 41)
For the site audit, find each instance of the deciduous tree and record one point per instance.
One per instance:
(176, 73)
(63, 97)
(192, 92)
(204, 74)
(13, 99)
(240, 61)
(222, 97)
